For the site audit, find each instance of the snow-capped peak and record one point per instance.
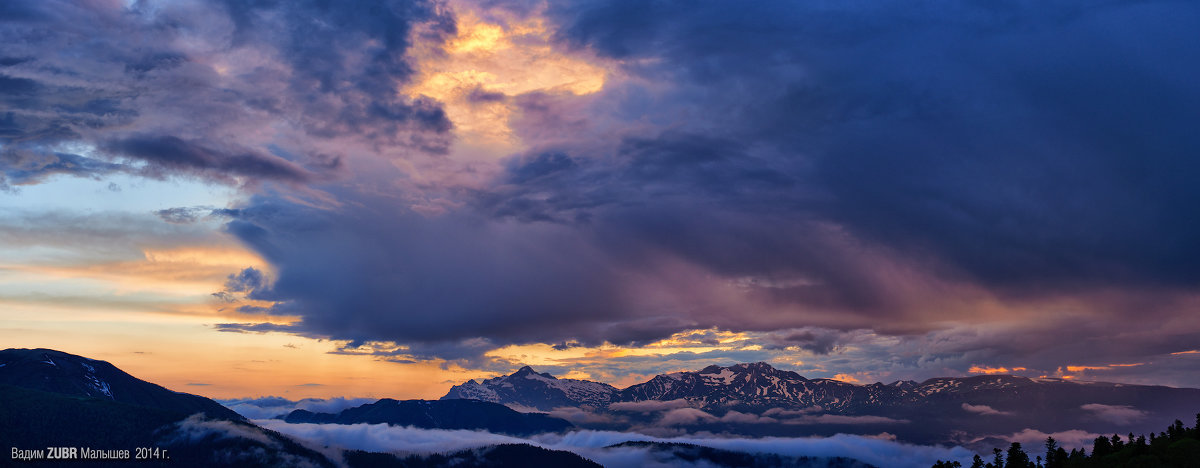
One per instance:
(530, 388)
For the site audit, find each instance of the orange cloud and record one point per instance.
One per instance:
(500, 61)
(1105, 367)
(846, 378)
(994, 370)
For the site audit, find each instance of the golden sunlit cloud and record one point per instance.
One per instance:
(846, 378)
(994, 370)
(695, 341)
(1069, 372)
(1105, 367)
(485, 64)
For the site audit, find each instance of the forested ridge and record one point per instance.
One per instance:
(1178, 446)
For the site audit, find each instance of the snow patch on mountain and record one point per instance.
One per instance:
(95, 382)
(527, 388)
(100, 386)
(472, 390)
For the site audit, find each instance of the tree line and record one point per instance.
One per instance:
(1178, 446)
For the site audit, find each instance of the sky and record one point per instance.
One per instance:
(318, 199)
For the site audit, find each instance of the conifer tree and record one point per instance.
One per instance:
(1017, 458)
(1051, 453)
(1101, 447)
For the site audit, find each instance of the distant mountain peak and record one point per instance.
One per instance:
(905, 384)
(527, 388)
(760, 367)
(528, 372)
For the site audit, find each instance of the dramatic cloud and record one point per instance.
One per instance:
(878, 167)
(867, 189)
(922, 126)
(225, 91)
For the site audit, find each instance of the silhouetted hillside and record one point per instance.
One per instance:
(438, 414)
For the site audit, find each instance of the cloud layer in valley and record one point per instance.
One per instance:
(271, 407)
(590, 444)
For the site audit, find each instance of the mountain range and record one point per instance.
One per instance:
(50, 398)
(764, 400)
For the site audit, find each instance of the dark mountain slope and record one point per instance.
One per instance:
(34, 419)
(58, 372)
(438, 414)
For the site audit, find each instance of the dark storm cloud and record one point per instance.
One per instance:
(190, 89)
(358, 98)
(1029, 146)
(713, 202)
(894, 166)
(385, 273)
(815, 341)
(175, 155)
